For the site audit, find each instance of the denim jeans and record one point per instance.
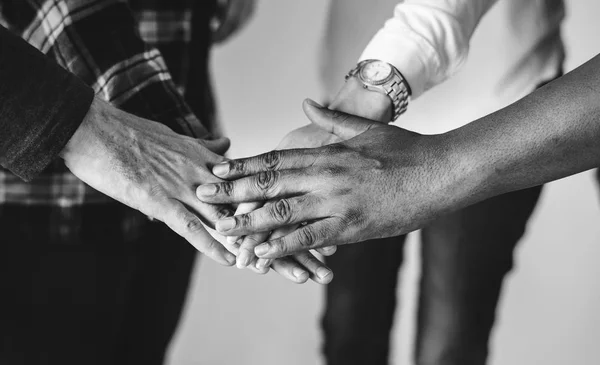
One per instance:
(108, 290)
(465, 257)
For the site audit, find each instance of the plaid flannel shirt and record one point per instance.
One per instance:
(113, 46)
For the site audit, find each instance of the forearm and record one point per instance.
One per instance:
(553, 133)
(41, 106)
(103, 47)
(427, 41)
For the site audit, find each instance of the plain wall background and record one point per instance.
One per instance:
(549, 311)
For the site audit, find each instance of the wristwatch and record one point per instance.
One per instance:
(383, 78)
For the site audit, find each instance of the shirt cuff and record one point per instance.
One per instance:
(45, 143)
(405, 50)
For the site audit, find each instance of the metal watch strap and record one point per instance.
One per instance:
(396, 88)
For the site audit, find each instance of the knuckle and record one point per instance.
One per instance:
(333, 171)
(282, 211)
(238, 166)
(243, 221)
(271, 160)
(223, 213)
(266, 180)
(225, 188)
(335, 148)
(249, 242)
(353, 217)
(307, 237)
(191, 223)
(306, 259)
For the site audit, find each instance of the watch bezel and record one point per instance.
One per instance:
(364, 78)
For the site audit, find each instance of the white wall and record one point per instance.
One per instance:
(549, 309)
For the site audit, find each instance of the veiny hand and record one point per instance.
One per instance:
(148, 167)
(353, 99)
(231, 16)
(295, 267)
(383, 183)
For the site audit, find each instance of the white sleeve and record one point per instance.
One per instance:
(427, 40)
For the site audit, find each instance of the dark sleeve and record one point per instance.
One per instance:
(41, 106)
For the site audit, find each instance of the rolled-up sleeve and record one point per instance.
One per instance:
(41, 106)
(427, 40)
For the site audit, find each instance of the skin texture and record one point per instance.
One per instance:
(352, 98)
(388, 181)
(150, 168)
(304, 136)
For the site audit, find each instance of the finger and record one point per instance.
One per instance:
(209, 213)
(233, 247)
(275, 215)
(260, 187)
(263, 263)
(290, 269)
(329, 231)
(343, 125)
(317, 270)
(280, 232)
(242, 209)
(218, 146)
(327, 251)
(258, 270)
(270, 161)
(189, 226)
(246, 252)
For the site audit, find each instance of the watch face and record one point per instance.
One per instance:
(376, 72)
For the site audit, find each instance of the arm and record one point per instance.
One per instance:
(388, 181)
(41, 106)
(426, 40)
(104, 49)
(45, 112)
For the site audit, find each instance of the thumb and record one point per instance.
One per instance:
(218, 146)
(345, 126)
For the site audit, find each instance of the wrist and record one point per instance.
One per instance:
(469, 173)
(83, 135)
(354, 99)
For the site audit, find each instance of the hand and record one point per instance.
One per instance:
(148, 167)
(354, 99)
(385, 182)
(230, 17)
(293, 268)
(297, 268)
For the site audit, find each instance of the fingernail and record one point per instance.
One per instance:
(322, 273)
(311, 102)
(262, 249)
(221, 169)
(230, 258)
(299, 273)
(243, 260)
(206, 190)
(232, 239)
(225, 225)
(263, 263)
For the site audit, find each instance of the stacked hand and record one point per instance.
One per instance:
(307, 136)
(352, 99)
(385, 182)
(148, 167)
